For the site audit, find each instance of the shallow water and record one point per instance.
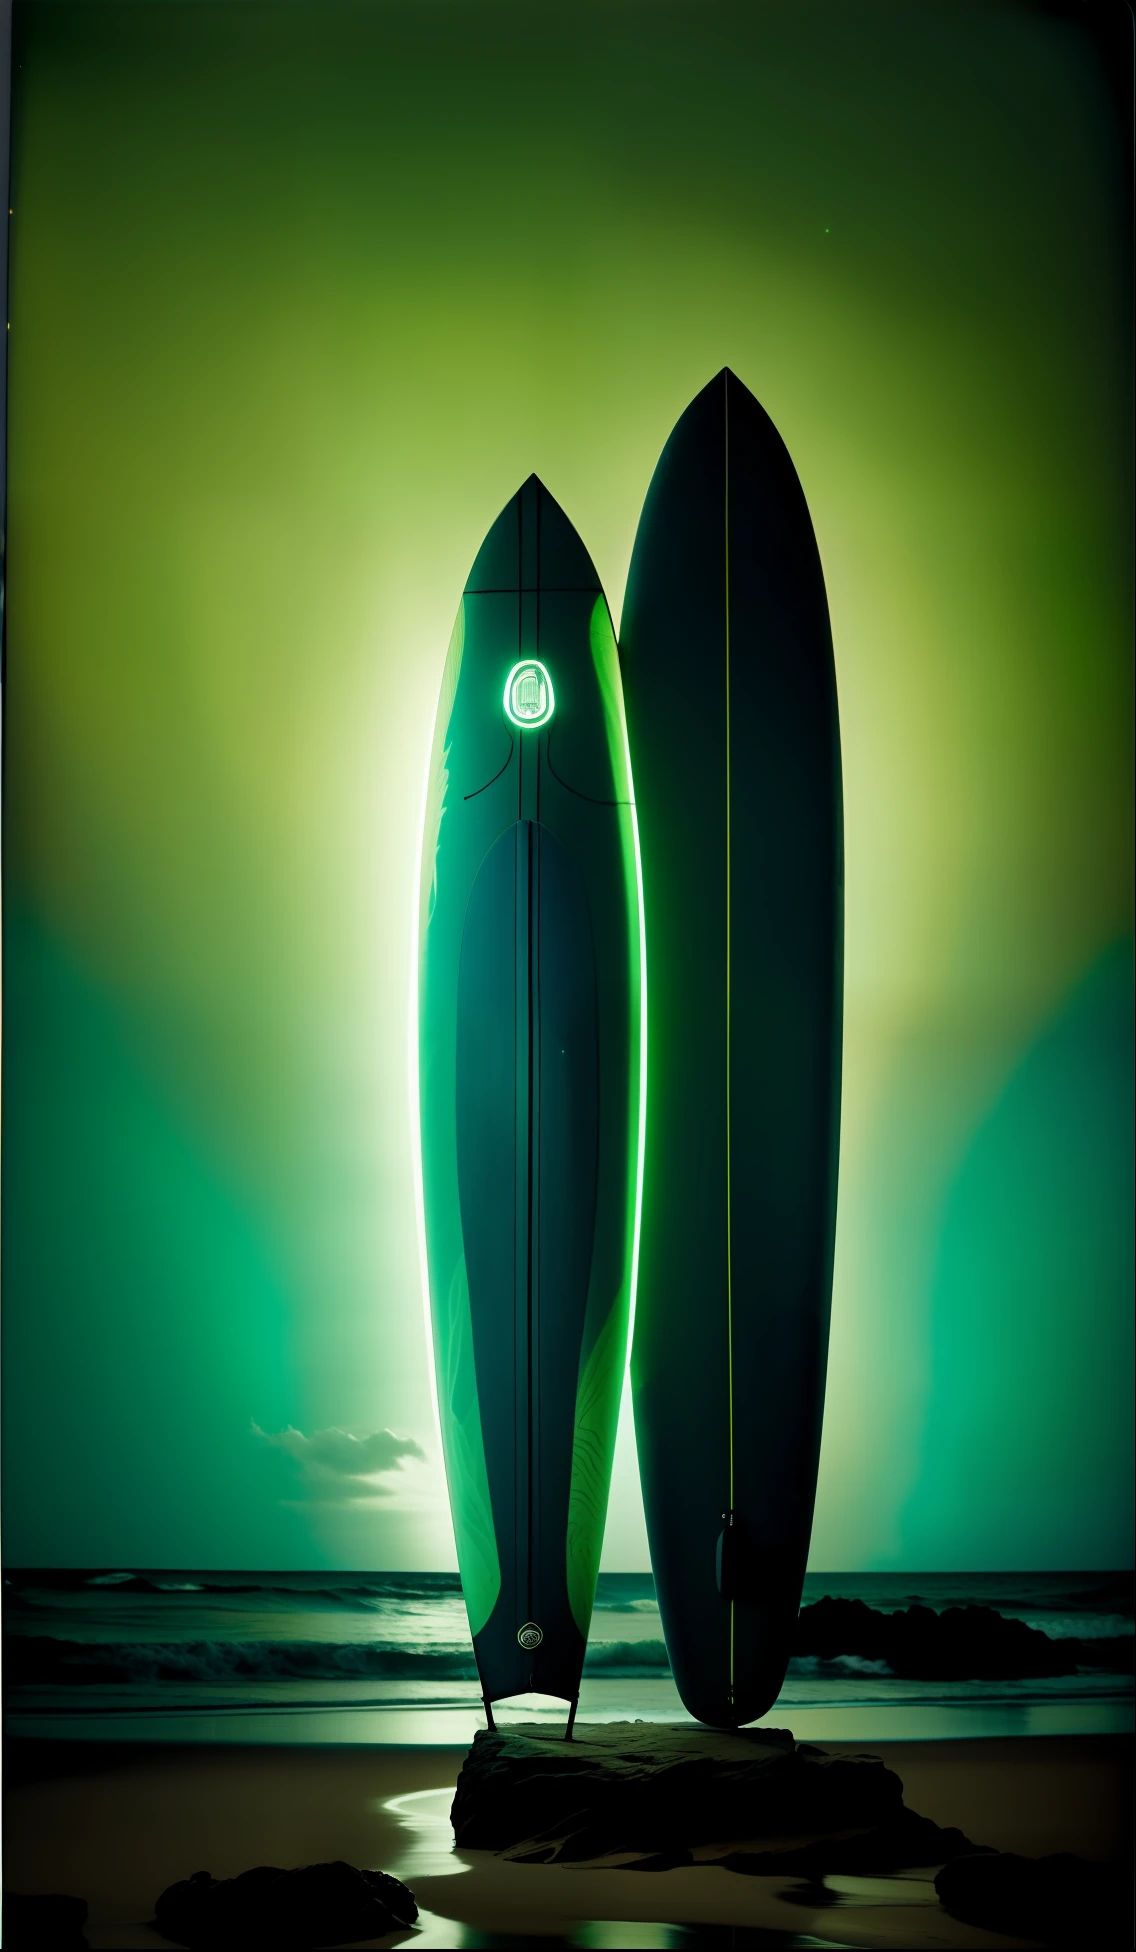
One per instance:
(424, 1849)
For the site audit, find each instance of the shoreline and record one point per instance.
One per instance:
(405, 1724)
(115, 1823)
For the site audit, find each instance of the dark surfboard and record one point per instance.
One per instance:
(529, 966)
(732, 716)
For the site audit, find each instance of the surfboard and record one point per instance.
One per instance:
(528, 1055)
(731, 707)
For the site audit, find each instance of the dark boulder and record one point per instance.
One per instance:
(900, 1843)
(1063, 1900)
(322, 1904)
(662, 1793)
(963, 1643)
(53, 1923)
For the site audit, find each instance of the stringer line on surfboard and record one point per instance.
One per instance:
(729, 1187)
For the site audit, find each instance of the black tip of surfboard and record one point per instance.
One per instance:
(532, 545)
(726, 381)
(713, 389)
(699, 430)
(723, 396)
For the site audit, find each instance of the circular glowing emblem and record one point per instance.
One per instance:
(530, 1636)
(528, 695)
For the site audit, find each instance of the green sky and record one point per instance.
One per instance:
(300, 294)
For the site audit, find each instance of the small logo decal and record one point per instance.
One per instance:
(528, 694)
(530, 1636)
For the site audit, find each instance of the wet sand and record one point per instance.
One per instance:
(115, 1824)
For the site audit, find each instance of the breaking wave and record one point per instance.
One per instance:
(812, 1667)
(43, 1661)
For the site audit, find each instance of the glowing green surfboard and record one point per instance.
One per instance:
(529, 1079)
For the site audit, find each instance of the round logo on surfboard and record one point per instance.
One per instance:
(529, 701)
(530, 1636)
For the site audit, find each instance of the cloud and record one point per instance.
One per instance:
(339, 1468)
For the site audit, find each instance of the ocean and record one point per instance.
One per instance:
(385, 1658)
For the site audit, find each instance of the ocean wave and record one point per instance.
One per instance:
(629, 1656)
(379, 1594)
(42, 1660)
(346, 1589)
(812, 1667)
(1073, 1626)
(182, 1627)
(1118, 1592)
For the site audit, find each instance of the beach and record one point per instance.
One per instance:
(117, 1823)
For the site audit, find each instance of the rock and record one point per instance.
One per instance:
(1063, 1900)
(323, 1904)
(898, 1844)
(664, 1793)
(52, 1923)
(963, 1643)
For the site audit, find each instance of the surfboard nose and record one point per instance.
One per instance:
(709, 398)
(531, 546)
(704, 420)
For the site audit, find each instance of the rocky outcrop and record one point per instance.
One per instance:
(1063, 1900)
(752, 1800)
(323, 1904)
(963, 1643)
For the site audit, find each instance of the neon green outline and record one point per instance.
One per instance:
(529, 724)
(602, 634)
(433, 808)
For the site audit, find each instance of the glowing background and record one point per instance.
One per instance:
(300, 294)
